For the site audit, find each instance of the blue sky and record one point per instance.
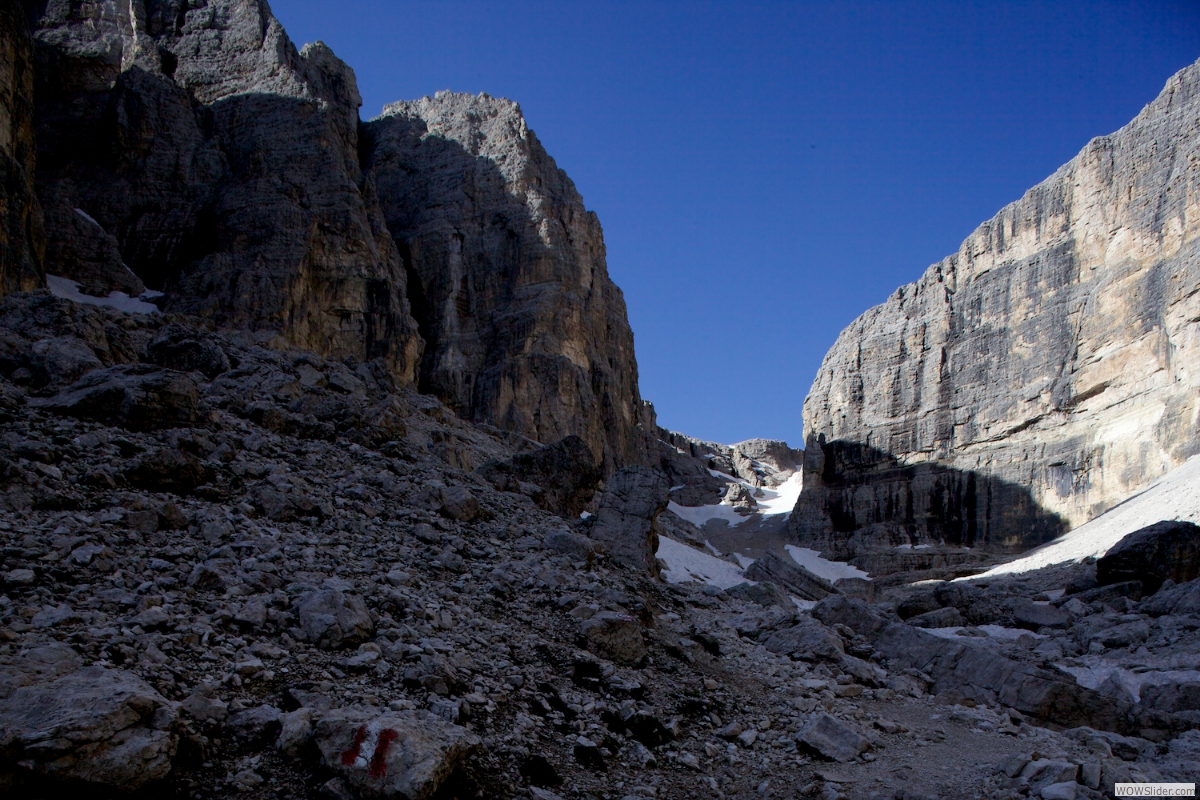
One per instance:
(765, 172)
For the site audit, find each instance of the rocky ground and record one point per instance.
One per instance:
(231, 569)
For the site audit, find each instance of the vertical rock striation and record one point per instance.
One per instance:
(190, 146)
(1042, 373)
(507, 275)
(21, 239)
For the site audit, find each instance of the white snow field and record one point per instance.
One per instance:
(829, 570)
(69, 290)
(1175, 495)
(780, 500)
(689, 564)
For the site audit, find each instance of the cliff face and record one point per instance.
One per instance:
(507, 275)
(190, 146)
(21, 239)
(1042, 373)
(186, 146)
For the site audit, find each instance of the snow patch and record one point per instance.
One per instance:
(829, 570)
(69, 290)
(699, 515)
(782, 499)
(993, 632)
(688, 564)
(88, 217)
(1174, 496)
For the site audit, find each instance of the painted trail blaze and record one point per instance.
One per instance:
(351, 755)
(378, 766)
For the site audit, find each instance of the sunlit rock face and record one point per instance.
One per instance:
(1055, 358)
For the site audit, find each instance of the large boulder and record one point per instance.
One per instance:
(1183, 599)
(617, 637)
(331, 619)
(789, 575)
(139, 397)
(831, 738)
(1165, 550)
(862, 618)
(565, 474)
(625, 515)
(96, 725)
(807, 640)
(406, 755)
(167, 470)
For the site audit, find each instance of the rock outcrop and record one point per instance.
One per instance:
(1037, 376)
(191, 147)
(507, 275)
(21, 239)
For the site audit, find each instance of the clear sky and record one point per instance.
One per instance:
(765, 172)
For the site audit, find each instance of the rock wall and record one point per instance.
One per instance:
(21, 239)
(507, 275)
(186, 146)
(190, 146)
(1041, 374)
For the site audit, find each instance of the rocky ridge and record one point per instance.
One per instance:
(1034, 378)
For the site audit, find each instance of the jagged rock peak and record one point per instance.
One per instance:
(507, 275)
(1037, 376)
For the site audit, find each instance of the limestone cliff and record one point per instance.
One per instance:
(1042, 373)
(507, 275)
(190, 146)
(20, 219)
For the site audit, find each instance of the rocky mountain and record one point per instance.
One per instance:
(507, 276)
(1034, 378)
(190, 148)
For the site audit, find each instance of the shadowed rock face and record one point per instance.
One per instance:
(859, 504)
(20, 225)
(507, 275)
(1054, 351)
(211, 160)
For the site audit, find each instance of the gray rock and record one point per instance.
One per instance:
(332, 619)
(1032, 616)
(940, 618)
(167, 470)
(135, 396)
(1181, 599)
(255, 727)
(831, 738)
(921, 390)
(459, 504)
(1168, 550)
(807, 640)
(565, 473)
(92, 725)
(863, 619)
(569, 544)
(617, 637)
(296, 728)
(789, 575)
(763, 593)
(624, 521)
(523, 327)
(405, 755)
(62, 360)
(204, 708)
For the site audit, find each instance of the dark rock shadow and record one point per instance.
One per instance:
(858, 501)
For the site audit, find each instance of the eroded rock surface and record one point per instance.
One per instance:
(1035, 377)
